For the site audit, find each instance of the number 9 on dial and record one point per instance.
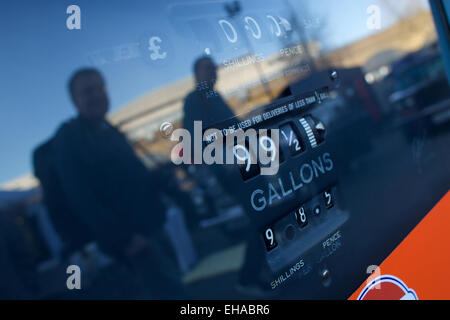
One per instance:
(269, 239)
(245, 158)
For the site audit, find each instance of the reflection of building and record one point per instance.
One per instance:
(238, 81)
(242, 88)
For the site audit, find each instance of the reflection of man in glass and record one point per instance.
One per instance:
(205, 104)
(107, 185)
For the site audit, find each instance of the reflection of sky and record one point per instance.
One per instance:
(39, 53)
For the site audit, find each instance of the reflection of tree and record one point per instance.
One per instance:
(412, 9)
(404, 14)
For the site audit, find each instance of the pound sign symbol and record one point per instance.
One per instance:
(154, 48)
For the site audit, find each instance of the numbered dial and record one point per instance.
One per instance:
(328, 199)
(250, 161)
(290, 138)
(269, 239)
(246, 160)
(300, 216)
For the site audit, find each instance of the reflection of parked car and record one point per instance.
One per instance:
(420, 89)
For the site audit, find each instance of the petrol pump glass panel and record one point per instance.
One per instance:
(273, 149)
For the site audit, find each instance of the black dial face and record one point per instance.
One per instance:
(291, 140)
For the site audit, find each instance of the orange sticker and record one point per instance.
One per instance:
(419, 268)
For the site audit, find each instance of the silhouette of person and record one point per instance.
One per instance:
(205, 104)
(107, 185)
